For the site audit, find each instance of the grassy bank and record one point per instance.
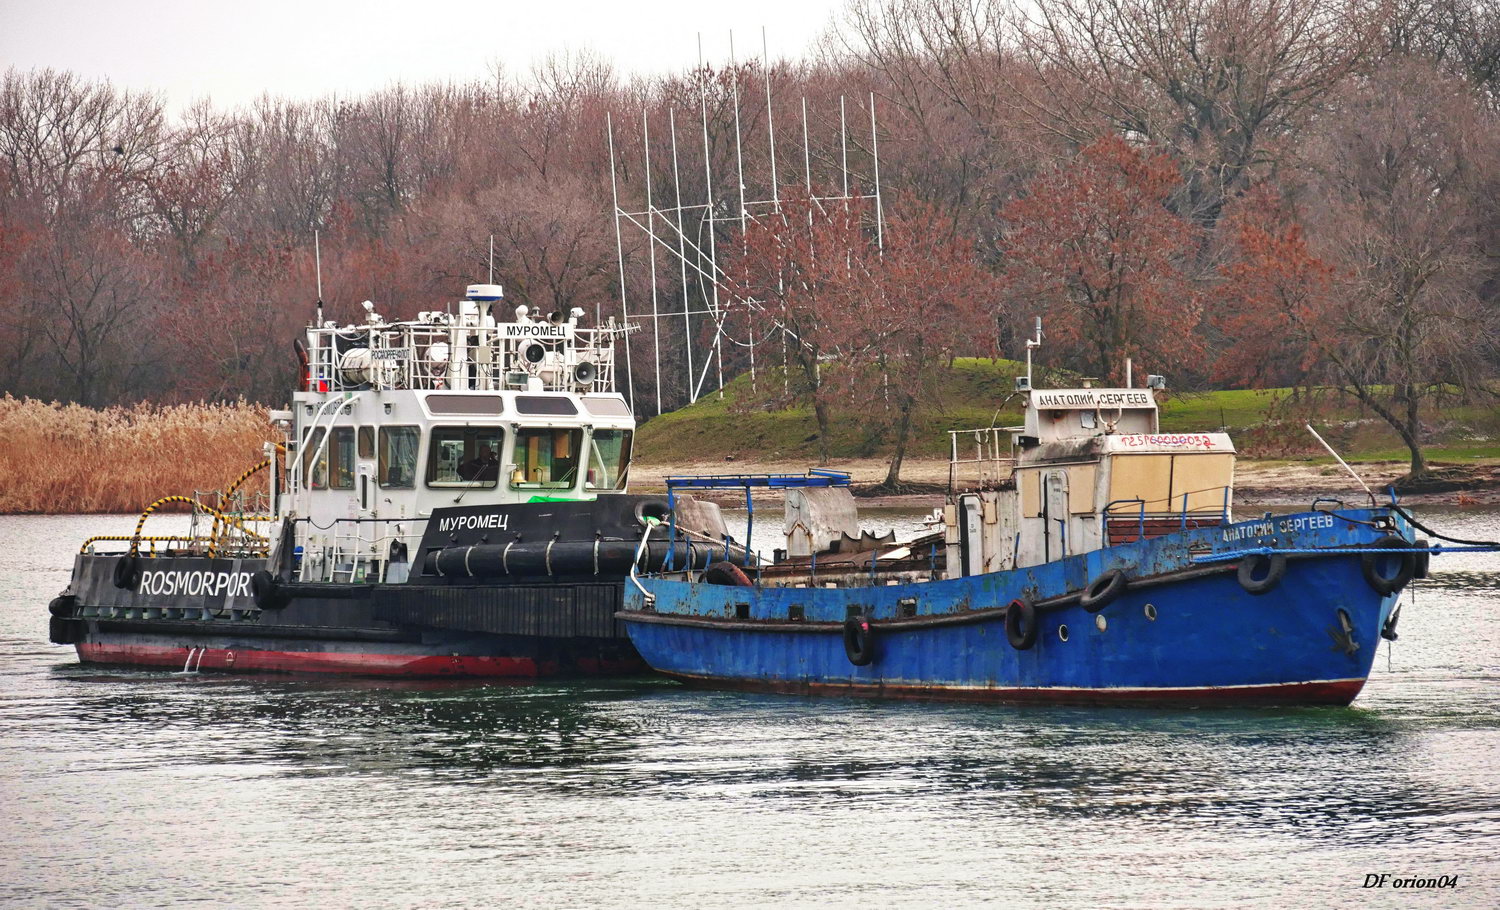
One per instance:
(978, 394)
(65, 458)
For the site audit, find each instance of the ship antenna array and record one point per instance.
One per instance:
(696, 248)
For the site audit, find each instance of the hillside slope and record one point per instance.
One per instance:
(979, 394)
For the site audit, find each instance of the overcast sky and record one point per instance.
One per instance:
(234, 51)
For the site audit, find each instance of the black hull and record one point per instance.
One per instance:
(196, 612)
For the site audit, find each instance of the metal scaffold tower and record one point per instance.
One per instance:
(691, 235)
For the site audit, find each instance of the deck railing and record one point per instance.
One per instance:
(992, 461)
(1154, 522)
(356, 550)
(436, 356)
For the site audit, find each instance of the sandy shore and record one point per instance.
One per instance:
(1256, 483)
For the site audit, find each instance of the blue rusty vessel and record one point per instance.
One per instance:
(1098, 563)
(1182, 627)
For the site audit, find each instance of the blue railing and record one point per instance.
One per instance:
(1222, 517)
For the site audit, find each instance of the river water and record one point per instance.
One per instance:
(145, 788)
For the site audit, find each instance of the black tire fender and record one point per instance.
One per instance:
(1423, 556)
(62, 605)
(267, 591)
(1372, 565)
(726, 573)
(859, 641)
(1261, 572)
(61, 631)
(1021, 624)
(127, 571)
(1102, 591)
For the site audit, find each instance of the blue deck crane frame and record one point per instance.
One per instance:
(749, 483)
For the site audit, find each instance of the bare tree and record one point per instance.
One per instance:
(196, 174)
(1219, 83)
(1460, 36)
(1382, 298)
(67, 145)
(952, 81)
(92, 293)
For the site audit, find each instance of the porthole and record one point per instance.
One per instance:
(1101, 622)
(1062, 633)
(1151, 612)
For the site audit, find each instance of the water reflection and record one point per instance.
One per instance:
(1329, 775)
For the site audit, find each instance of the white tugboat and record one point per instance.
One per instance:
(449, 500)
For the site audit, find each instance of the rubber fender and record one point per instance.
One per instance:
(1021, 624)
(1424, 558)
(1375, 566)
(724, 572)
(267, 591)
(859, 641)
(1261, 572)
(567, 557)
(127, 571)
(1103, 590)
(62, 605)
(63, 631)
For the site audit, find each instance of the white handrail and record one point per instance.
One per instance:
(322, 443)
(650, 598)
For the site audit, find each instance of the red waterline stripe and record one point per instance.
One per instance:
(363, 664)
(1322, 692)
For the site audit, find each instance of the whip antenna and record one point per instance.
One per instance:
(1342, 463)
(318, 271)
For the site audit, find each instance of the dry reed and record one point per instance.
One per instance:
(63, 458)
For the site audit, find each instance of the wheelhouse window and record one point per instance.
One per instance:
(546, 458)
(464, 457)
(609, 460)
(337, 455)
(397, 466)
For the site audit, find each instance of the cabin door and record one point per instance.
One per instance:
(971, 534)
(1055, 515)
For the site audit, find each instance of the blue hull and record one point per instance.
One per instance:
(1184, 631)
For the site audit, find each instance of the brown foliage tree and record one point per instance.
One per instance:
(790, 266)
(1094, 249)
(907, 310)
(868, 324)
